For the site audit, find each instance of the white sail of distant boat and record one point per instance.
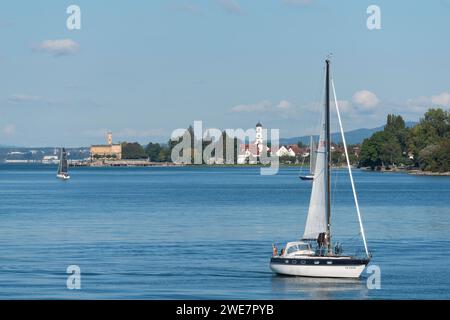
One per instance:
(314, 255)
(312, 161)
(63, 166)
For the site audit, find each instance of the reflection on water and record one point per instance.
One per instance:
(320, 288)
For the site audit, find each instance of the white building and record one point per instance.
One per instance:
(249, 153)
(50, 159)
(283, 152)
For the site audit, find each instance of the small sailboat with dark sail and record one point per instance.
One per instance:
(63, 166)
(314, 254)
(312, 161)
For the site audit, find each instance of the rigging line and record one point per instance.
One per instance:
(350, 170)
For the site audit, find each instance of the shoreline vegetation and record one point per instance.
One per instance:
(422, 149)
(415, 172)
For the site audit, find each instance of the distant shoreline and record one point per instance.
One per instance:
(428, 173)
(141, 163)
(414, 172)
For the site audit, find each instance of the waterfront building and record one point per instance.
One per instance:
(50, 160)
(109, 150)
(249, 153)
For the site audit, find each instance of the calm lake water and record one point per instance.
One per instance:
(206, 233)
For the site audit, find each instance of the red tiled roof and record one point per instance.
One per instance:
(295, 148)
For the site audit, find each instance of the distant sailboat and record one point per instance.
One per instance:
(312, 161)
(314, 255)
(63, 166)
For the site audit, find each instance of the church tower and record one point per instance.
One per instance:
(259, 138)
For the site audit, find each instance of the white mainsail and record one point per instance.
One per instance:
(316, 222)
(312, 156)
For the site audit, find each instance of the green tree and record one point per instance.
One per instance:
(153, 150)
(428, 142)
(390, 149)
(443, 156)
(133, 151)
(371, 150)
(164, 155)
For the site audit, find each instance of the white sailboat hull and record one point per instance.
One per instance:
(322, 270)
(63, 176)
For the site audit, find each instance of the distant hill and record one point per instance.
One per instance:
(352, 136)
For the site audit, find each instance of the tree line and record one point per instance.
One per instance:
(154, 151)
(157, 152)
(425, 146)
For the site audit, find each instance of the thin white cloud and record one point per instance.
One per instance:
(442, 99)
(364, 109)
(284, 105)
(125, 133)
(418, 104)
(261, 106)
(365, 99)
(9, 130)
(58, 48)
(297, 2)
(230, 6)
(189, 8)
(26, 98)
(128, 132)
(421, 104)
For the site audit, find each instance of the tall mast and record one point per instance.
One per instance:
(310, 155)
(328, 151)
(60, 161)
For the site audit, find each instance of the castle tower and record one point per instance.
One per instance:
(109, 138)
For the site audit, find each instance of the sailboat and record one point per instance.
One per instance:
(312, 161)
(62, 172)
(314, 255)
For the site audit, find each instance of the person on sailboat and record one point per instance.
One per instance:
(275, 250)
(320, 242)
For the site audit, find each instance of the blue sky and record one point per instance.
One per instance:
(144, 68)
